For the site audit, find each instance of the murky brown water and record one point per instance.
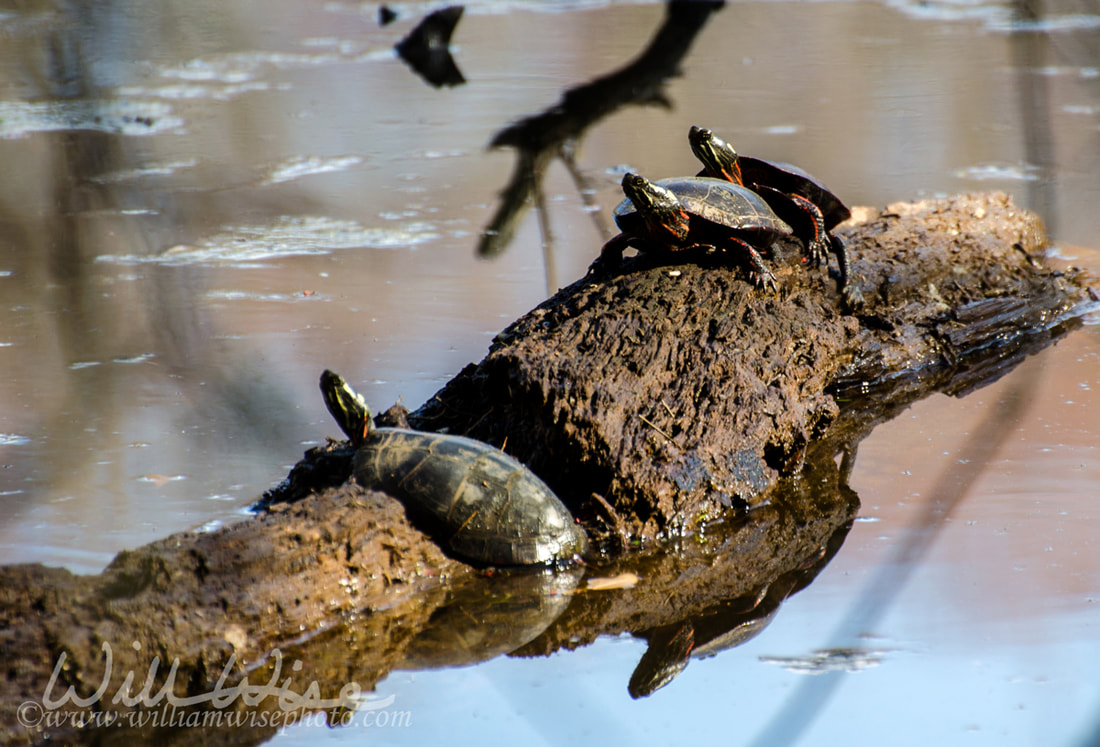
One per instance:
(204, 205)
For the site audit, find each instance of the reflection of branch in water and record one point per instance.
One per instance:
(82, 213)
(584, 187)
(1029, 53)
(427, 48)
(948, 493)
(555, 132)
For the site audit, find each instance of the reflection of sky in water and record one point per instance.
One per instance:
(290, 236)
(224, 77)
(19, 119)
(995, 16)
(999, 172)
(300, 166)
(965, 698)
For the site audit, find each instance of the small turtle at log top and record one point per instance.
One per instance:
(476, 501)
(686, 213)
(796, 196)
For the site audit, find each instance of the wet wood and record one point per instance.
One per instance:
(651, 402)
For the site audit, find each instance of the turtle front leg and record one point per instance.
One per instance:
(810, 221)
(611, 254)
(761, 276)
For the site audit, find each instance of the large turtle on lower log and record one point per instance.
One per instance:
(687, 213)
(479, 503)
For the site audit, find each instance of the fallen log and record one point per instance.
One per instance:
(669, 395)
(659, 402)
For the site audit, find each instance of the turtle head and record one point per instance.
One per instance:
(718, 157)
(347, 407)
(658, 206)
(646, 195)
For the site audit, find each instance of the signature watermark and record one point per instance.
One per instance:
(224, 706)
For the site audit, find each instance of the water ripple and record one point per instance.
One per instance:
(299, 166)
(117, 116)
(828, 660)
(1022, 172)
(290, 236)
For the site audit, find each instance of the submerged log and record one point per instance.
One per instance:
(651, 402)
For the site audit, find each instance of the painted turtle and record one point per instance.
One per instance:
(797, 197)
(674, 215)
(720, 627)
(671, 649)
(475, 500)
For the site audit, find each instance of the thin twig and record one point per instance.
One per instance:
(657, 428)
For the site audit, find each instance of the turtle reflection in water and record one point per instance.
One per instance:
(722, 626)
(671, 647)
(490, 615)
(476, 501)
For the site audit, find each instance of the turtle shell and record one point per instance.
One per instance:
(717, 202)
(476, 501)
(790, 179)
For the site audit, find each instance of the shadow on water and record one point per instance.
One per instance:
(556, 132)
(812, 696)
(427, 48)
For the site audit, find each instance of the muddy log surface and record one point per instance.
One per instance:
(202, 598)
(668, 395)
(652, 402)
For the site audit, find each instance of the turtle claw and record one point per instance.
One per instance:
(817, 252)
(852, 297)
(600, 269)
(765, 280)
(759, 273)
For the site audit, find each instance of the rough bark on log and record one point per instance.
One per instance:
(675, 393)
(651, 402)
(202, 598)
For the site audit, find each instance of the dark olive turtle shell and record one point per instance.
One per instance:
(790, 179)
(474, 500)
(716, 201)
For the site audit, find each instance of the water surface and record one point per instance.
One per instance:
(205, 205)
